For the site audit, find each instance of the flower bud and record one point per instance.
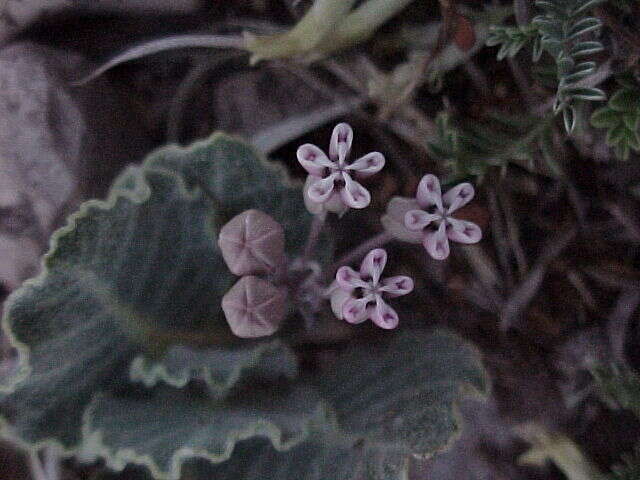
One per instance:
(252, 243)
(254, 307)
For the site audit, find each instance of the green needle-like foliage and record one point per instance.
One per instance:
(125, 355)
(563, 27)
(511, 39)
(619, 386)
(564, 30)
(472, 148)
(621, 118)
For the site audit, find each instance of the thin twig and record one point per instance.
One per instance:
(625, 217)
(191, 81)
(522, 296)
(522, 9)
(359, 252)
(618, 324)
(164, 44)
(513, 233)
(51, 463)
(500, 238)
(275, 136)
(35, 465)
(576, 279)
(448, 12)
(485, 272)
(612, 279)
(478, 77)
(522, 83)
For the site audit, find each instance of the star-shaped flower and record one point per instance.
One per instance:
(330, 185)
(358, 296)
(434, 217)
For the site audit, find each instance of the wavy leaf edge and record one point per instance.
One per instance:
(138, 195)
(117, 460)
(151, 373)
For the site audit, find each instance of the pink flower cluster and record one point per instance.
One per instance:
(252, 243)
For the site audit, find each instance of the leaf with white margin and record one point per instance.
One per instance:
(318, 458)
(137, 272)
(393, 398)
(220, 368)
(220, 167)
(321, 457)
(401, 392)
(169, 426)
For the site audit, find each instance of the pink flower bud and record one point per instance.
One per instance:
(254, 307)
(252, 243)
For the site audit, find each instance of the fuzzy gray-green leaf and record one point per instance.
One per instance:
(318, 458)
(68, 360)
(321, 457)
(136, 273)
(162, 429)
(220, 368)
(400, 392)
(222, 170)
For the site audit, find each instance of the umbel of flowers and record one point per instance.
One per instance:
(252, 243)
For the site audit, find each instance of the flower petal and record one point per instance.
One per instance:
(458, 196)
(354, 194)
(338, 297)
(368, 165)
(354, 310)
(436, 242)
(335, 204)
(314, 208)
(397, 286)
(321, 189)
(373, 265)
(340, 145)
(417, 220)
(429, 193)
(383, 315)
(313, 160)
(349, 279)
(463, 231)
(393, 220)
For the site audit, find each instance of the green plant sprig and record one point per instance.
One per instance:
(562, 28)
(621, 118)
(561, 31)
